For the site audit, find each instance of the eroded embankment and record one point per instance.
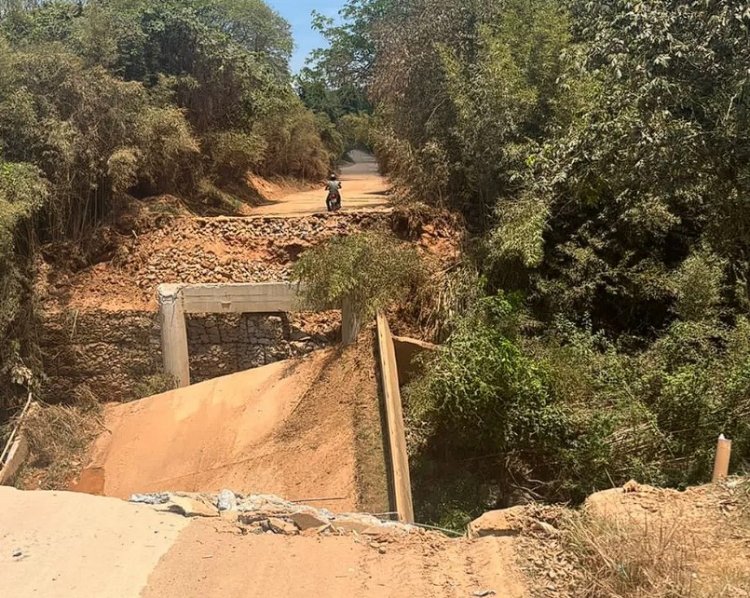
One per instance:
(100, 324)
(303, 429)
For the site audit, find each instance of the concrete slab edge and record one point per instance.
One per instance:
(399, 460)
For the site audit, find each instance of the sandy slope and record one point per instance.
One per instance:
(283, 429)
(363, 188)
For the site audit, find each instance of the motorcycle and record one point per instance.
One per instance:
(333, 202)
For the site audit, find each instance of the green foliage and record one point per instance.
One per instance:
(520, 233)
(482, 385)
(367, 271)
(235, 153)
(104, 99)
(22, 193)
(698, 287)
(356, 131)
(599, 153)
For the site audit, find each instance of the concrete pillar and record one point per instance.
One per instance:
(174, 342)
(350, 324)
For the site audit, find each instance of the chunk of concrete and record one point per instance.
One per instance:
(305, 521)
(227, 501)
(503, 522)
(281, 526)
(355, 523)
(191, 507)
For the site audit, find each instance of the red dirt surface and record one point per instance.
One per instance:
(362, 189)
(284, 429)
(209, 560)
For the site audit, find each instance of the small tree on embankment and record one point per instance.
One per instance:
(364, 272)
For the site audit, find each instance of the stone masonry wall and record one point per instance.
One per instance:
(223, 344)
(109, 351)
(114, 353)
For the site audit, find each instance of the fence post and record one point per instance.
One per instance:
(721, 463)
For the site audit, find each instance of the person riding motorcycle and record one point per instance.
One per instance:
(333, 201)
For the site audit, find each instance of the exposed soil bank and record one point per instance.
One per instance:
(286, 429)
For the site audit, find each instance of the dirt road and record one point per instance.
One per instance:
(70, 545)
(363, 189)
(207, 564)
(65, 545)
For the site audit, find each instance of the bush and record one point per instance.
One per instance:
(234, 154)
(566, 413)
(59, 437)
(368, 271)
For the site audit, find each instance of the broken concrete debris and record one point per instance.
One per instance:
(226, 501)
(281, 526)
(192, 507)
(267, 513)
(150, 499)
(307, 520)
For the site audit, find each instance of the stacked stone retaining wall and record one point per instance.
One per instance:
(115, 353)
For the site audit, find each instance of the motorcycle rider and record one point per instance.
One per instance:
(333, 201)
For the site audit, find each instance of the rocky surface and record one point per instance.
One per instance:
(100, 324)
(115, 352)
(261, 513)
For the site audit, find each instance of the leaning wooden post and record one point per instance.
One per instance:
(174, 341)
(723, 454)
(350, 323)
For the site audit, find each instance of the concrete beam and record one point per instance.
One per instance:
(395, 421)
(174, 341)
(176, 300)
(270, 297)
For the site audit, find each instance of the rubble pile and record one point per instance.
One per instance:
(221, 250)
(259, 514)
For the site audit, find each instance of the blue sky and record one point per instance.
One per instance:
(298, 13)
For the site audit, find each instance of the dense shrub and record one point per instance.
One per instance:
(599, 153)
(369, 271)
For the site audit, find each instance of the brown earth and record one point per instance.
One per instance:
(210, 559)
(641, 541)
(71, 545)
(308, 430)
(286, 429)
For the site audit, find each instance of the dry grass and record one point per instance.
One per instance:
(59, 437)
(623, 558)
(697, 548)
(154, 385)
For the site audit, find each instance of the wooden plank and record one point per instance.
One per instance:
(15, 458)
(395, 422)
(350, 324)
(240, 298)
